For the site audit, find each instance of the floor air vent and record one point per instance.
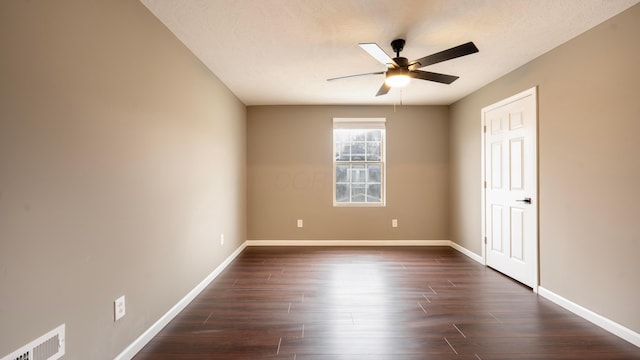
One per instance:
(49, 346)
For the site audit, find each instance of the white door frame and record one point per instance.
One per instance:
(529, 92)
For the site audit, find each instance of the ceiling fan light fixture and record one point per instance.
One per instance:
(397, 78)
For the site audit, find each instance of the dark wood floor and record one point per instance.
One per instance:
(305, 303)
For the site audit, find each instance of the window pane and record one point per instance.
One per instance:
(357, 151)
(342, 173)
(342, 193)
(358, 174)
(374, 193)
(358, 193)
(358, 155)
(341, 135)
(373, 151)
(374, 135)
(358, 135)
(374, 174)
(343, 152)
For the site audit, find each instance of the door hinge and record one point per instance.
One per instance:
(485, 184)
(485, 129)
(485, 240)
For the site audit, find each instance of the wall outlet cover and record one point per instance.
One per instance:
(119, 309)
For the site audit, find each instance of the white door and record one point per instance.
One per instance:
(510, 187)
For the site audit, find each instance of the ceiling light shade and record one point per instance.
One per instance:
(397, 80)
(397, 77)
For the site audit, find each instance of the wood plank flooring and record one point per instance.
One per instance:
(321, 303)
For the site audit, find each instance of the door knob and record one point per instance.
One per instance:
(525, 200)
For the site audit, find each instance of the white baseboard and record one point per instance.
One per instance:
(449, 243)
(348, 243)
(142, 340)
(469, 253)
(605, 323)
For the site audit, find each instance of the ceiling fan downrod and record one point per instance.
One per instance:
(397, 45)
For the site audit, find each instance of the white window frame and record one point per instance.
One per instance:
(364, 124)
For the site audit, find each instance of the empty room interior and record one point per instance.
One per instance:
(187, 169)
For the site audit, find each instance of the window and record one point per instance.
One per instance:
(359, 162)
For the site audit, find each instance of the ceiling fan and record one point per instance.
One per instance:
(400, 70)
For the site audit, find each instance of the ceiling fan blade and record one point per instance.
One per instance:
(384, 89)
(350, 76)
(454, 52)
(431, 76)
(374, 50)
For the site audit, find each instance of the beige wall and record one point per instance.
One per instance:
(289, 164)
(589, 166)
(122, 159)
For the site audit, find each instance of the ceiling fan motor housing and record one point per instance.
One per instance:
(397, 72)
(402, 62)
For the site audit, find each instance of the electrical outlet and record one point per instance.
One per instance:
(300, 223)
(221, 239)
(118, 308)
(394, 223)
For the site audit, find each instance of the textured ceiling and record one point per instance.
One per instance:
(281, 52)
